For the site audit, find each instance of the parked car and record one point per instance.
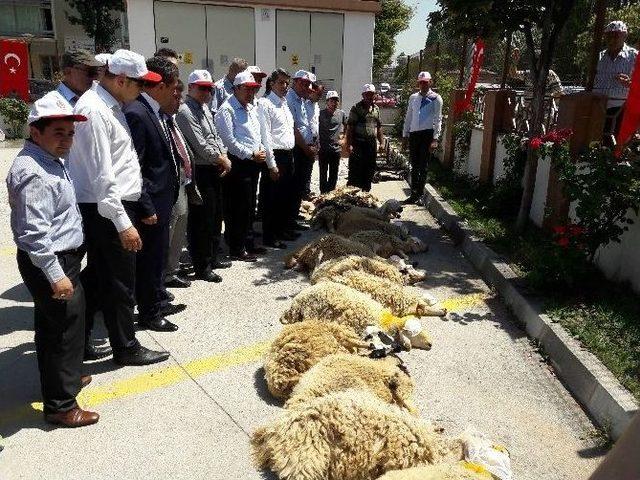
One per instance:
(385, 101)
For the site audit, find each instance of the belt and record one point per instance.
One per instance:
(72, 251)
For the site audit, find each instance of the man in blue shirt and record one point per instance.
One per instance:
(47, 229)
(224, 87)
(79, 68)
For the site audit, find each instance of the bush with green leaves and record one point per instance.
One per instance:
(15, 112)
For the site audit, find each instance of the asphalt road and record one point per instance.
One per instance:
(191, 417)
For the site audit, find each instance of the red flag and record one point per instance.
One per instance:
(14, 69)
(478, 59)
(631, 116)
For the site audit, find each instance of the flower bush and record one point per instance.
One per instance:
(15, 113)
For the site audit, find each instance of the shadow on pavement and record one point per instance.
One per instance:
(16, 318)
(17, 293)
(263, 391)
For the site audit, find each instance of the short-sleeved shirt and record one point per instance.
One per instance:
(364, 121)
(331, 126)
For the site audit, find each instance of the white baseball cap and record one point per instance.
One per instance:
(616, 26)
(332, 94)
(131, 65)
(200, 77)
(245, 78)
(368, 87)
(103, 58)
(256, 71)
(304, 75)
(53, 105)
(424, 77)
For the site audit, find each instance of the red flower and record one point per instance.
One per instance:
(536, 143)
(564, 133)
(552, 136)
(559, 230)
(575, 230)
(563, 242)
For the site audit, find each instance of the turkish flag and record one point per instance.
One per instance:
(631, 116)
(14, 69)
(478, 59)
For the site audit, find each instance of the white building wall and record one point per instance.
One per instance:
(358, 56)
(142, 35)
(501, 154)
(266, 38)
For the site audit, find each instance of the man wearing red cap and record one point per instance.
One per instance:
(105, 170)
(47, 228)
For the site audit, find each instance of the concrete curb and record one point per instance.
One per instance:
(588, 380)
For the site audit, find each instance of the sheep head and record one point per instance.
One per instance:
(391, 208)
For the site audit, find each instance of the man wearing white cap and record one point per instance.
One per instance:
(224, 87)
(363, 129)
(211, 165)
(332, 122)
(615, 66)
(47, 229)
(304, 153)
(105, 170)
(422, 126)
(238, 125)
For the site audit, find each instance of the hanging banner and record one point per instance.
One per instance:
(631, 116)
(14, 69)
(478, 59)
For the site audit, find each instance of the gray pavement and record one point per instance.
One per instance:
(191, 418)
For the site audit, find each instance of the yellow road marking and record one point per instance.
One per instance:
(166, 376)
(7, 251)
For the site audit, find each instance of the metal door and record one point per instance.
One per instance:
(230, 34)
(293, 40)
(181, 26)
(326, 48)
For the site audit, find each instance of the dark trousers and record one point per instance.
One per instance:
(113, 272)
(277, 197)
(362, 163)
(328, 162)
(205, 221)
(151, 262)
(419, 156)
(256, 177)
(59, 331)
(239, 202)
(302, 170)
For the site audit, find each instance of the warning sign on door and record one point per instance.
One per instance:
(295, 60)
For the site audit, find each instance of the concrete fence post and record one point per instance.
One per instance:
(497, 118)
(449, 143)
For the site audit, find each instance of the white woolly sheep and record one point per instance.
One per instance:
(349, 435)
(353, 221)
(387, 378)
(300, 346)
(387, 245)
(376, 266)
(327, 247)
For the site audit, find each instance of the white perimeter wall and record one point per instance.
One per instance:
(475, 152)
(358, 43)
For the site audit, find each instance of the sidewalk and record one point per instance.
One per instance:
(191, 418)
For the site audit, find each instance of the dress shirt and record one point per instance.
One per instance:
(103, 162)
(239, 129)
(606, 82)
(298, 107)
(44, 214)
(423, 113)
(276, 123)
(68, 94)
(197, 125)
(313, 117)
(221, 93)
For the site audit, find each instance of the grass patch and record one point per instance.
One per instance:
(603, 316)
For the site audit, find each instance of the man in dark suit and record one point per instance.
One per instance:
(148, 119)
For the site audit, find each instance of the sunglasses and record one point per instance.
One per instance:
(204, 88)
(91, 72)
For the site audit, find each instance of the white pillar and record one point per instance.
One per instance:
(265, 38)
(358, 56)
(142, 35)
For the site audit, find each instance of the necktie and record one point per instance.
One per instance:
(182, 150)
(424, 110)
(74, 100)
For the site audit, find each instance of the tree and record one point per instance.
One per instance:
(392, 19)
(541, 22)
(98, 20)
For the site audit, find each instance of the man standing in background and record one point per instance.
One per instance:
(224, 87)
(332, 122)
(79, 70)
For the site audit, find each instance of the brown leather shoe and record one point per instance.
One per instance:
(85, 380)
(76, 417)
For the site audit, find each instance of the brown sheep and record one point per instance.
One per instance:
(387, 245)
(347, 196)
(300, 346)
(353, 221)
(307, 257)
(329, 217)
(387, 378)
(349, 435)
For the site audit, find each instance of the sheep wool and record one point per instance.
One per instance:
(386, 378)
(350, 435)
(374, 266)
(325, 248)
(455, 471)
(354, 222)
(299, 347)
(387, 245)
(333, 302)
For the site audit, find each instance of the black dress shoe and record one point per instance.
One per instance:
(209, 276)
(139, 356)
(166, 296)
(243, 256)
(256, 250)
(410, 200)
(177, 282)
(158, 325)
(219, 264)
(275, 244)
(172, 309)
(91, 352)
(300, 226)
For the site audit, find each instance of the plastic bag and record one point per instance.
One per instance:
(480, 450)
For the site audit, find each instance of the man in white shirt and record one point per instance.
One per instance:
(422, 126)
(105, 170)
(238, 125)
(613, 76)
(277, 188)
(79, 69)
